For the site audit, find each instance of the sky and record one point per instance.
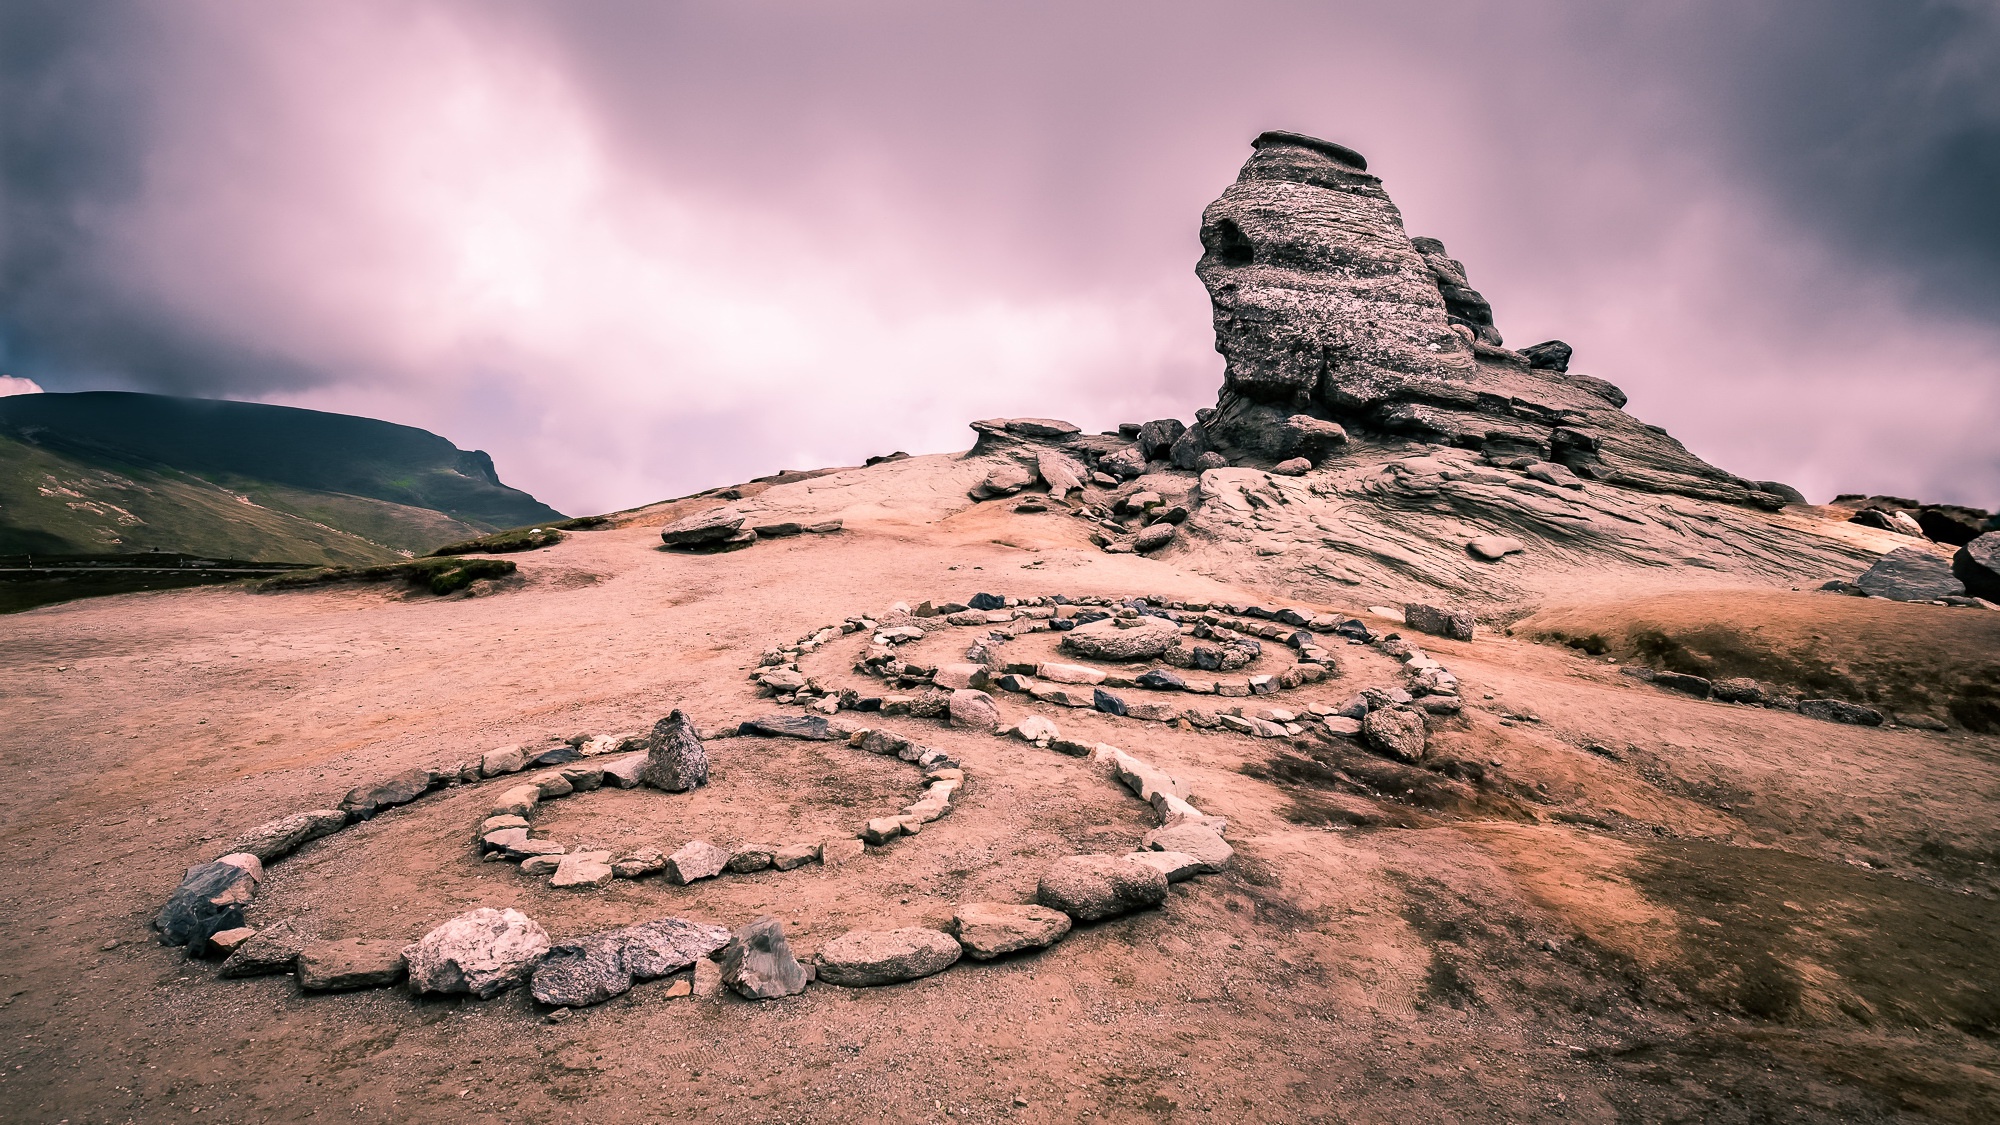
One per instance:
(635, 250)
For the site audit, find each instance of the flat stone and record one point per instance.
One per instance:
(1395, 732)
(583, 869)
(841, 850)
(639, 863)
(696, 859)
(541, 866)
(271, 950)
(625, 772)
(957, 676)
(810, 728)
(1840, 711)
(1493, 548)
(517, 801)
(483, 952)
(504, 759)
(226, 941)
(675, 759)
(1176, 866)
(704, 529)
(864, 958)
(342, 966)
(1036, 728)
(1122, 639)
(707, 983)
(758, 962)
(794, 856)
(882, 829)
(1069, 673)
(502, 823)
(280, 838)
(1191, 839)
(993, 929)
(752, 857)
(365, 801)
(1091, 888)
(1696, 686)
(551, 785)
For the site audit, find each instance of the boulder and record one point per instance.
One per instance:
(484, 952)
(1550, 355)
(583, 869)
(675, 759)
(1157, 438)
(342, 966)
(974, 710)
(1910, 574)
(1106, 702)
(603, 965)
(273, 949)
(1437, 622)
(364, 801)
(703, 529)
(1492, 548)
(758, 962)
(752, 857)
(504, 759)
(211, 898)
(1208, 848)
(1140, 638)
(1977, 566)
(1004, 479)
(696, 859)
(1396, 732)
(1155, 537)
(993, 929)
(1840, 711)
(1042, 429)
(626, 772)
(281, 838)
(224, 942)
(520, 800)
(1293, 467)
(809, 728)
(1091, 888)
(860, 958)
(957, 676)
(1061, 474)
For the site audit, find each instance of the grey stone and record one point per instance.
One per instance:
(1910, 574)
(281, 838)
(1457, 626)
(211, 898)
(596, 968)
(675, 759)
(974, 710)
(992, 929)
(504, 759)
(274, 949)
(1396, 732)
(758, 962)
(1210, 849)
(483, 952)
(1157, 438)
(1739, 689)
(626, 772)
(1155, 537)
(809, 728)
(696, 859)
(583, 869)
(752, 857)
(703, 529)
(862, 958)
(1550, 355)
(1840, 711)
(1091, 888)
(342, 966)
(1122, 639)
(1977, 566)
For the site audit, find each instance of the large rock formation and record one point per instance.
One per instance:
(1326, 309)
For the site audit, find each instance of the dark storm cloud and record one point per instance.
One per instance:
(568, 232)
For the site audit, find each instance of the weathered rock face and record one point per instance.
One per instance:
(484, 952)
(340, 966)
(280, 838)
(1327, 310)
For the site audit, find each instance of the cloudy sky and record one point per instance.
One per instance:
(637, 249)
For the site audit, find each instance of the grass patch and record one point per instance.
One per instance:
(521, 538)
(438, 575)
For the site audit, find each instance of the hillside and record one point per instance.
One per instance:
(107, 471)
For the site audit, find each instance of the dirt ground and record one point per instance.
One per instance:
(1719, 914)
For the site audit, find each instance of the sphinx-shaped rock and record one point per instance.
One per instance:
(1326, 310)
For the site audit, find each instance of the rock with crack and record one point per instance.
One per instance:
(484, 952)
(974, 710)
(704, 530)
(810, 728)
(582, 870)
(1091, 888)
(1456, 625)
(1210, 850)
(862, 958)
(993, 929)
(758, 962)
(675, 758)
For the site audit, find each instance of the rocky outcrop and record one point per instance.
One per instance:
(1326, 310)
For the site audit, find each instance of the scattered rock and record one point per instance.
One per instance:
(484, 952)
(1211, 850)
(1910, 574)
(1438, 622)
(1396, 732)
(974, 710)
(861, 958)
(675, 759)
(696, 859)
(1122, 639)
(281, 838)
(341, 966)
(992, 929)
(583, 869)
(1840, 711)
(1091, 888)
(505, 759)
(1493, 548)
(273, 949)
(758, 962)
(1154, 537)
